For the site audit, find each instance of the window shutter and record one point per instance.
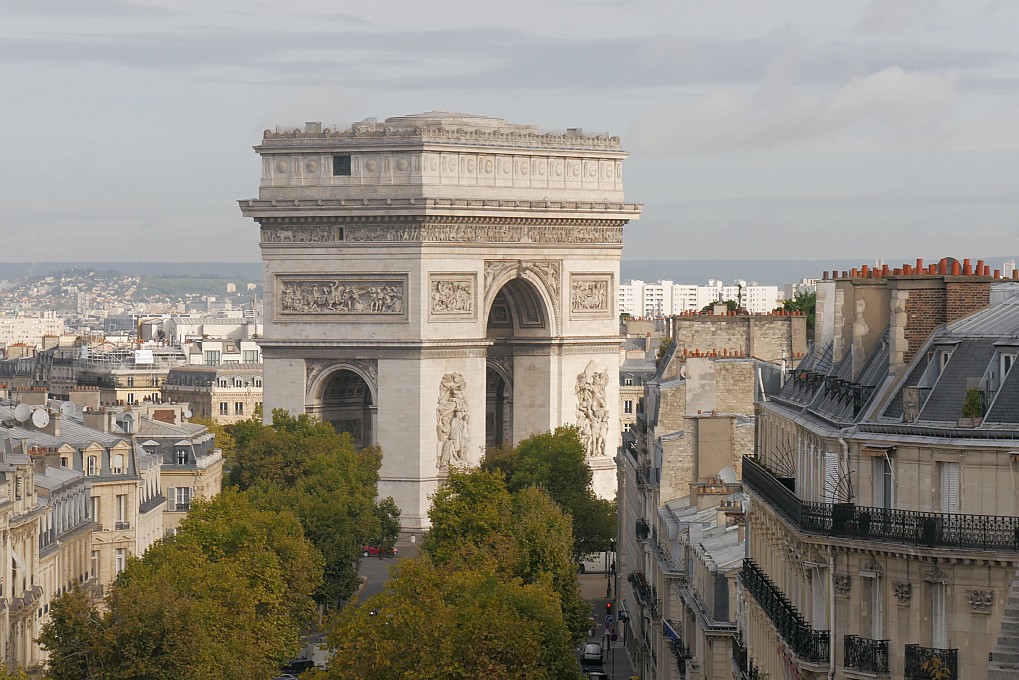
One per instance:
(877, 609)
(950, 488)
(939, 637)
(817, 589)
(831, 476)
(171, 499)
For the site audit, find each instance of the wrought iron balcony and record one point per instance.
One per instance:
(641, 591)
(644, 477)
(847, 520)
(643, 529)
(810, 645)
(679, 650)
(925, 663)
(863, 654)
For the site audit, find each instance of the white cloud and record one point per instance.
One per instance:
(882, 16)
(890, 102)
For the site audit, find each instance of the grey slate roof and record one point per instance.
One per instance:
(72, 432)
(1005, 408)
(969, 360)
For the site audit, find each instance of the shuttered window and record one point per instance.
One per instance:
(817, 596)
(949, 488)
(877, 609)
(831, 476)
(939, 638)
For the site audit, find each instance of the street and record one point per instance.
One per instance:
(616, 664)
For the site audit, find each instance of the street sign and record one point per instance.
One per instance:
(614, 636)
(608, 620)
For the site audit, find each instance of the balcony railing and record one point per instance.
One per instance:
(643, 529)
(644, 594)
(644, 477)
(931, 529)
(925, 663)
(122, 526)
(808, 644)
(863, 654)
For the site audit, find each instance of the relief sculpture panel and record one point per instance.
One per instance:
(302, 234)
(592, 409)
(453, 297)
(590, 295)
(452, 422)
(341, 296)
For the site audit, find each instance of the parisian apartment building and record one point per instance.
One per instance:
(665, 298)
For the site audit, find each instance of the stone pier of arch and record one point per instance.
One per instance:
(440, 283)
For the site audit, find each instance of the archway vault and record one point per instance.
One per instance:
(532, 289)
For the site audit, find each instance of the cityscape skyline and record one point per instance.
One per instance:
(135, 120)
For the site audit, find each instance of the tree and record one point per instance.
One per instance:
(730, 306)
(477, 522)
(435, 623)
(805, 303)
(556, 462)
(224, 598)
(663, 347)
(301, 464)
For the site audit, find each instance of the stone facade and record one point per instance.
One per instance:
(402, 252)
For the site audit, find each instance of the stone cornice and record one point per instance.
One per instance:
(257, 208)
(509, 136)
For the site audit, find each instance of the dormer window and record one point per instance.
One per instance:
(1007, 359)
(118, 464)
(182, 457)
(93, 466)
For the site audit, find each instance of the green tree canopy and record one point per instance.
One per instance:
(805, 303)
(555, 461)
(224, 598)
(300, 464)
(433, 623)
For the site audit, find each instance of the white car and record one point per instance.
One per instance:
(592, 654)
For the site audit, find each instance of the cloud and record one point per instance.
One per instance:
(889, 101)
(882, 16)
(120, 9)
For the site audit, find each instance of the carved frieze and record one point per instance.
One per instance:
(342, 295)
(452, 296)
(452, 422)
(302, 234)
(934, 574)
(481, 233)
(591, 294)
(592, 411)
(903, 592)
(352, 427)
(842, 584)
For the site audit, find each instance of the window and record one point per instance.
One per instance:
(130, 381)
(130, 397)
(949, 488)
(238, 408)
(64, 462)
(95, 508)
(883, 483)
(238, 382)
(118, 464)
(119, 559)
(182, 501)
(627, 406)
(17, 487)
(256, 381)
(341, 165)
(250, 356)
(939, 618)
(95, 564)
(223, 382)
(212, 357)
(182, 456)
(93, 465)
(831, 476)
(121, 507)
(628, 382)
(224, 408)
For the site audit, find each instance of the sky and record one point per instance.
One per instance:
(757, 130)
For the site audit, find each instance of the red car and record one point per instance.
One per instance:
(372, 551)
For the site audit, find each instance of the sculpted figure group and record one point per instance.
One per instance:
(592, 412)
(452, 421)
(311, 297)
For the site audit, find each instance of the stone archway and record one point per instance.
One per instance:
(346, 401)
(498, 400)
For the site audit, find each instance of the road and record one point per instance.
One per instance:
(376, 571)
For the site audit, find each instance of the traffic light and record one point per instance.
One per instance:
(612, 545)
(608, 608)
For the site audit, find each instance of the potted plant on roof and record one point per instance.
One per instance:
(972, 408)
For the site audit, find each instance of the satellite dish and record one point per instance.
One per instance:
(727, 475)
(187, 413)
(68, 409)
(22, 412)
(40, 418)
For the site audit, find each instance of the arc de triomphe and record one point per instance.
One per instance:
(442, 282)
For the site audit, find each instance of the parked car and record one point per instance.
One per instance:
(372, 551)
(597, 675)
(592, 654)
